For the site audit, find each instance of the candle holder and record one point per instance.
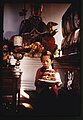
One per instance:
(18, 56)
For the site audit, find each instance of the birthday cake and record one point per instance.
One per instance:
(49, 75)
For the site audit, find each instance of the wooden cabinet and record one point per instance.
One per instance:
(69, 62)
(70, 92)
(69, 67)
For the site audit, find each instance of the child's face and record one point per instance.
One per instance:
(46, 61)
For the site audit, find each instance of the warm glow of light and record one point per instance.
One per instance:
(24, 94)
(29, 67)
(27, 105)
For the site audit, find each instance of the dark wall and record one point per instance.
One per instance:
(1, 19)
(57, 1)
(1, 32)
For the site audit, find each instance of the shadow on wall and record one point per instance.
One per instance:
(9, 34)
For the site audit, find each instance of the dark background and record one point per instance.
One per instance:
(1, 34)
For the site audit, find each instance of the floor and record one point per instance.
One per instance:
(66, 104)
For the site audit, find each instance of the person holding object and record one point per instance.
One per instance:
(47, 61)
(46, 90)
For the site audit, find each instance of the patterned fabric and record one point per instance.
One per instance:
(41, 86)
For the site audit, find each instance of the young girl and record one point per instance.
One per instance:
(47, 61)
